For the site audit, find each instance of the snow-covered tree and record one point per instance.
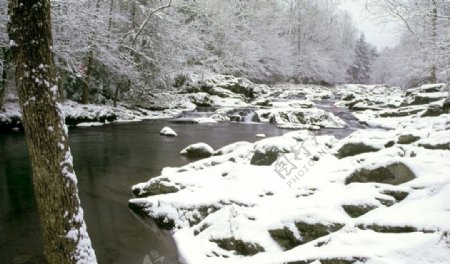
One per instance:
(65, 237)
(422, 55)
(360, 70)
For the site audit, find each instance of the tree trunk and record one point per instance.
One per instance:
(434, 16)
(55, 184)
(87, 79)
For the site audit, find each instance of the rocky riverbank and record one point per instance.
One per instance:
(379, 195)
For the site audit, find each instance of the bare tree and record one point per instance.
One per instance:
(64, 231)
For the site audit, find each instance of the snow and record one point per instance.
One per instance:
(167, 131)
(89, 124)
(198, 149)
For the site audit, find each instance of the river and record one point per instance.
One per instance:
(108, 161)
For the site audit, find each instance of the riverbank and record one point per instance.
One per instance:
(377, 196)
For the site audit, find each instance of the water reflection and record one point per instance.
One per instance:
(108, 161)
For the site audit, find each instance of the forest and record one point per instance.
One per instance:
(224, 131)
(125, 50)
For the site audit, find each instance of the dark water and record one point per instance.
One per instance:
(108, 161)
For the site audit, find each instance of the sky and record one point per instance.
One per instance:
(377, 33)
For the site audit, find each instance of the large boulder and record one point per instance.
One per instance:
(229, 82)
(425, 94)
(198, 150)
(268, 150)
(201, 99)
(395, 174)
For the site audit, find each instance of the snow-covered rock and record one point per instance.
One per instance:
(198, 150)
(300, 116)
(164, 101)
(168, 132)
(201, 99)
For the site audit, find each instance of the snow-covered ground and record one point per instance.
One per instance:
(377, 196)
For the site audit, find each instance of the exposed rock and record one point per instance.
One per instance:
(446, 106)
(349, 97)
(241, 247)
(389, 144)
(268, 150)
(198, 150)
(433, 110)
(168, 132)
(395, 173)
(441, 146)
(388, 228)
(285, 238)
(308, 232)
(356, 210)
(407, 139)
(161, 186)
(265, 159)
(398, 195)
(386, 202)
(354, 148)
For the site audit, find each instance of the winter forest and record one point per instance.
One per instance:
(225, 131)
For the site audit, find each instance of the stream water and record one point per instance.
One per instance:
(108, 161)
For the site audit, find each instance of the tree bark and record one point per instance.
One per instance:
(54, 180)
